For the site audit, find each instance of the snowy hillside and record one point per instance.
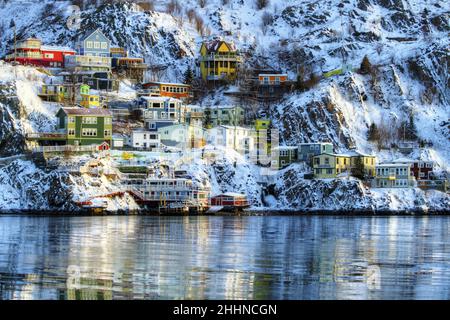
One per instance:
(406, 42)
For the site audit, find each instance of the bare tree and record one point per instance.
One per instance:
(267, 19)
(191, 15)
(173, 7)
(202, 3)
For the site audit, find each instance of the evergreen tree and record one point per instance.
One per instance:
(188, 76)
(407, 130)
(365, 67)
(207, 121)
(373, 134)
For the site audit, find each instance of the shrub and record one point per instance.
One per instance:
(366, 66)
(261, 4)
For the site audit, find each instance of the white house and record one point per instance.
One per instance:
(393, 175)
(240, 139)
(183, 136)
(145, 140)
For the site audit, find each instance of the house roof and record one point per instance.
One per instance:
(214, 45)
(392, 164)
(57, 48)
(309, 143)
(161, 99)
(86, 111)
(88, 33)
(231, 194)
(165, 83)
(348, 154)
(286, 148)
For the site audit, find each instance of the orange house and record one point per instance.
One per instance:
(272, 79)
(174, 90)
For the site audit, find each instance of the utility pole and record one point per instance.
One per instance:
(15, 44)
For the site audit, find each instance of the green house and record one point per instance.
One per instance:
(283, 156)
(83, 126)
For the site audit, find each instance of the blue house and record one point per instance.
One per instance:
(94, 44)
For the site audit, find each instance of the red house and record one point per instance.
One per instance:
(32, 52)
(230, 200)
(421, 170)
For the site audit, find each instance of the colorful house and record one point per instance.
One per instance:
(230, 201)
(173, 90)
(159, 112)
(55, 92)
(224, 115)
(393, 175)
(421, 170)
(183, 136)
(144, 140)
(329, 165)
(266, 79)
(272, 86)
(94, 43)
(130, 67)
(240, 139)
(219, 61)
(283, 156)
(32, 52)
(308, 150)
(85, 126)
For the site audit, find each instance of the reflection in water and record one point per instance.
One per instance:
(224, 257)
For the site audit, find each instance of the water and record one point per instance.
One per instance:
(140, 257)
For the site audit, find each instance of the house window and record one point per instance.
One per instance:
(71, 132)
(71, 119)
(327, 160)
(107, 133)
(329, 171)
(104, 45)
(108, 120)
(89, 120)
(89, 132)
(89, 44)
(96, 45)
(317, 161)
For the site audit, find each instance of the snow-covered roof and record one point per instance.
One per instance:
(56, 48)
(160, 99)
(166, 83)
(310, 143)
(87, 111)
(392, 164)
(214, 45)
(272, 75)
(233, 127)
(231, 194)
(286, 148)
(349, 154)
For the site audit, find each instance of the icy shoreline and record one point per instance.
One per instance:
(263, 211)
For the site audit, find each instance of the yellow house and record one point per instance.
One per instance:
(88, 99)
(329, 165)
(219, 61)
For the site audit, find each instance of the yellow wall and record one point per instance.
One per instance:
(90, 100)
(226, 67)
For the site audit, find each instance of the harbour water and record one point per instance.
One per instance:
(232, 257)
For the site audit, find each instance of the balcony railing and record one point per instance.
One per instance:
(46, 135)
(221, 57)
(68, 148)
